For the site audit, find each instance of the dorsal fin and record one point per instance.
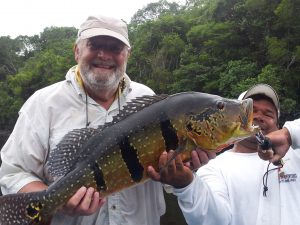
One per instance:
(136, 105)
(69, 151)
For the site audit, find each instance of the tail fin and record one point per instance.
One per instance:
(22, 208)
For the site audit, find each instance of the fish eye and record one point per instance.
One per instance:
(220, 105)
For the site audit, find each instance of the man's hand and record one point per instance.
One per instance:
(281, 142)
(84, 202)
(175, 173)
(199, 158)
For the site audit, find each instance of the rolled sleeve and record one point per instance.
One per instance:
(22, 157)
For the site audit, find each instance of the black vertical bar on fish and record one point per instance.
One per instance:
(130, 157)
(169, 134)
(98, 175)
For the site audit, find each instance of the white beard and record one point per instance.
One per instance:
(103, 80)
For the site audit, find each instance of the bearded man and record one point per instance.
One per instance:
(93, 92)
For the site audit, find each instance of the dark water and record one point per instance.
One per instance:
(173, 214)
(4, 134)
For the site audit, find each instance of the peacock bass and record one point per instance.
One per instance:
(116, 156)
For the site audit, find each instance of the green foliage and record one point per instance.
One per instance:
(277, 51)
(9, 106)
(272, 75)
(288, 113)
(190, 77)
(215, 46)
(236, 72)
(41, 70)
(47, 58)
(10, 61)
(153, 11)
(156, 50)
(288, 13)
(216, 39)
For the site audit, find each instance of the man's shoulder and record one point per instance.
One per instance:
(44, 94)
(226, 155)
(140, 89)
(221, 161)
(52, 89)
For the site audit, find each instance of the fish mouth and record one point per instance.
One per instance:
(247, 121)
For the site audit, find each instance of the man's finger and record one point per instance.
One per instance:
(162, 160)
(211, 155)
(178, 163)
(94, 203)
(203, 157)
(86, 201)
(76, 198)
(171, 161)
(153, 174)
(195, 160)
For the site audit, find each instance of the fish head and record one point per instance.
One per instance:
(222, 123)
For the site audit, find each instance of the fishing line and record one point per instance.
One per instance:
(87, 123)
(119, 104)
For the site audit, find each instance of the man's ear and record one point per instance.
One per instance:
(76, 52)
(129, 53)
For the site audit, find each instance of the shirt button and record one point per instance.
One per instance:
(113, 207)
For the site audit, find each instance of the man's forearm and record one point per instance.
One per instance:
(33, 186)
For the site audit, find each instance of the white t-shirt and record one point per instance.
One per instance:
(229, 191)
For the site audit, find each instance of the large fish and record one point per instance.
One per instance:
(116, 156)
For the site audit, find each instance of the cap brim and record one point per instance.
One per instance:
(103, 32)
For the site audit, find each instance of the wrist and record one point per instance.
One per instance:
(187, 182)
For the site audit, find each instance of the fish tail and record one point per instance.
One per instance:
(23, 209)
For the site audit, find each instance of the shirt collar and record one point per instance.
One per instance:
(78, 78)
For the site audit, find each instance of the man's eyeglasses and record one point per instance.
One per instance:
(113, 47)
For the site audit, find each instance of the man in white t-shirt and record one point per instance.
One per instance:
(237, 187)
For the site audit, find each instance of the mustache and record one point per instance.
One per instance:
(98, 62)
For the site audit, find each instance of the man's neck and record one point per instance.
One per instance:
(248, 145)
(104, 97)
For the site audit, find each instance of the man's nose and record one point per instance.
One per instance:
(103, 53)
(257, 116)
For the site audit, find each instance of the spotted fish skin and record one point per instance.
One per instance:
(116, 156)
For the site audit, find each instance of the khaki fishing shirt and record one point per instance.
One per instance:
(43, 120)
